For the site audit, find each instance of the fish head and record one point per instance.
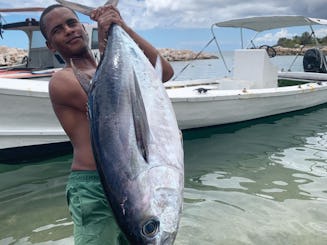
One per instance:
(153, 230)
(152, 216)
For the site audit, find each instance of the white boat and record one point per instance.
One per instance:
(27, 119)
(253, 89)
(251, 92)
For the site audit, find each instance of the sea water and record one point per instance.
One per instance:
(223, 66)
(256, 182)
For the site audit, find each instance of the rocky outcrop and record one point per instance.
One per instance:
(11, 56)
(183, 55)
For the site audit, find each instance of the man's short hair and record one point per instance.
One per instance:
(46, 11)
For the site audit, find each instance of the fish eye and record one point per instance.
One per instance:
(151, 227)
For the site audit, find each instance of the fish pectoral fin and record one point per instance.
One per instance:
(141, 125)
(158, 67)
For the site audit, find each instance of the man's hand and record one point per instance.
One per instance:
(105, 16)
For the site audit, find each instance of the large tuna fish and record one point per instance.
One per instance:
(136, 142)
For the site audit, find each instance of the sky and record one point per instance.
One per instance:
(181, 24)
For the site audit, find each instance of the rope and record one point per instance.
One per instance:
(198, 54)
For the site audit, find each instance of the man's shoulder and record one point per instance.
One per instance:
(63, 78)
(64, 74)
(63, 84)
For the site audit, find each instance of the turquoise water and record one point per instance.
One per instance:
(258, 182)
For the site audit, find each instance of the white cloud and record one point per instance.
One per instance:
(146, 14)
(191, 13)
(321, 32)
(273, 37)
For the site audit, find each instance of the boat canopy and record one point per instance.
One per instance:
(264, 23)
(27, 25)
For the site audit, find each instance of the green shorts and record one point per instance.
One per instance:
(94, 223)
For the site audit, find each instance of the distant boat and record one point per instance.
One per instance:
(253, 90)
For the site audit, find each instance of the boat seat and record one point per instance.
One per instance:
(255, 66)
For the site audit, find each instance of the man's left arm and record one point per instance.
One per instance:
(152, 53)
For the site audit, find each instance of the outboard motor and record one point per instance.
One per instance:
(314, 61)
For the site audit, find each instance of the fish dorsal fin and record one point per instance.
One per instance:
(113, 2)
(141, 125)
(83, 78)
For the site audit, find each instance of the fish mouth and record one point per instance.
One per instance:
(167, 238)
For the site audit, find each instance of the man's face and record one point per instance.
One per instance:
(65, 33)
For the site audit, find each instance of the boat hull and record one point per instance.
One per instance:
(27, 117)
(217, 107)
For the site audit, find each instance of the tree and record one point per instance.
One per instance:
(305, 39)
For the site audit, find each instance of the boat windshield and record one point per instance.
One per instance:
(38, 41)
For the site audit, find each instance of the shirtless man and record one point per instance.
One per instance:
(93, 220)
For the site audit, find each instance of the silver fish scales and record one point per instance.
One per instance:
(136, 143)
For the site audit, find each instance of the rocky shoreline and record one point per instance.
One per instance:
(184, 55)
(12, 56)
(294, 51)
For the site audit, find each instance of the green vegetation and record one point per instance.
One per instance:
(304, 39)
